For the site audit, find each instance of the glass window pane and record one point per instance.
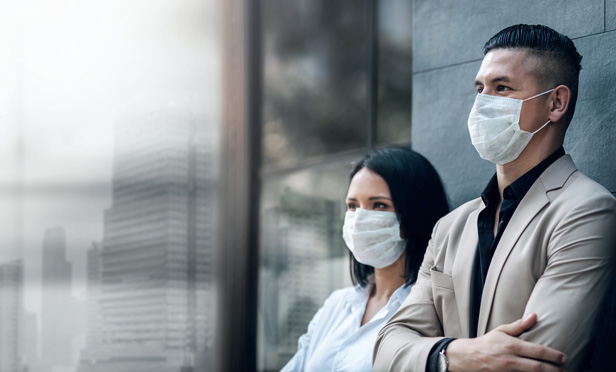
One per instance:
(303, 256)
(395, 71)
(112, 119)
(315, 78)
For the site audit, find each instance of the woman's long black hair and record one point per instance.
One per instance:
(418, 197)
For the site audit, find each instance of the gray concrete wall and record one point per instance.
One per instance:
(447, 42)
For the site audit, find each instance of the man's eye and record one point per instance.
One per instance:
(479, 90)
(502, 88)
(351, 206)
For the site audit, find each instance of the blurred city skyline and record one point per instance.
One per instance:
(68, 67)
(70, 71)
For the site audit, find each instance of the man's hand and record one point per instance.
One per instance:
(501, 350)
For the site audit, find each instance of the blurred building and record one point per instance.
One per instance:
(153, 287)
(58, 325)
(300, 253)
(30, 351)
(11, 316)
(19, 339)
(93, 337)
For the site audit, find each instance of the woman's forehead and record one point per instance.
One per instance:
(367, 181)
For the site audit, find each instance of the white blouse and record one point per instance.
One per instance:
(335, 341)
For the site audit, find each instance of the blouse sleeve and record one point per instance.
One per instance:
(298, 362)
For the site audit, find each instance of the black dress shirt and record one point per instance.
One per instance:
(512, 196)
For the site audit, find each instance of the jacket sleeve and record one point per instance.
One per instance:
(569, 293)
(405, 342)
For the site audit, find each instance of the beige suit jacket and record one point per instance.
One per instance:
(553, 259)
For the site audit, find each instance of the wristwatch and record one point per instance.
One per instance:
(443, 363)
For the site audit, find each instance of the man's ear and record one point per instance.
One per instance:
(561, 96)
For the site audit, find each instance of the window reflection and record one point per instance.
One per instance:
(316, 58)
(315, 78)
(303, 256)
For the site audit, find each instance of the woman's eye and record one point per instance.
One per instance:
(351, 206)
(380, 206)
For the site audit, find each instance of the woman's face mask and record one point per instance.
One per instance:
(373, 237)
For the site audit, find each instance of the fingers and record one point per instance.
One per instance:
(528, 349)
(539, 352)
(519, 326)
(498, 351)
(533, 365)
(529, 321)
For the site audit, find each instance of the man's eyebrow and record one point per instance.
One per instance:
(501, 78)
(497, 79)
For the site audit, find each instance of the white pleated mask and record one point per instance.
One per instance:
(494, 126)
(373, 237)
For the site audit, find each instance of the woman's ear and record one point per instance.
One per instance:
(561, 96)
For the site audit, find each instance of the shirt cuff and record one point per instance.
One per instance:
(432, 365)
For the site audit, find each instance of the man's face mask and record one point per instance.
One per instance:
(494, 126)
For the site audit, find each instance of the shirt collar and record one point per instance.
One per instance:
(356, 300)
(402, 293)
(520, 187)
(490, 192)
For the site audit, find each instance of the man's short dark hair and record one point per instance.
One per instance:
(560, 62)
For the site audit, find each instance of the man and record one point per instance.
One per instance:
(512, 281)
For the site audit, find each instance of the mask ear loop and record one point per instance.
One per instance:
(538, 95)
(543, 126)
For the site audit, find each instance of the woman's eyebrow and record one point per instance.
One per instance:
(378, 197)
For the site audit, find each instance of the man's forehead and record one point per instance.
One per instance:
(509, 64)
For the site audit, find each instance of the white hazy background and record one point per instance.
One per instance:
(66, 67)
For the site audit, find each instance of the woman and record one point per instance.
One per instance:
(395, 197)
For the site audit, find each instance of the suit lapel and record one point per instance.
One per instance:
(460, 273)
(535, 200)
